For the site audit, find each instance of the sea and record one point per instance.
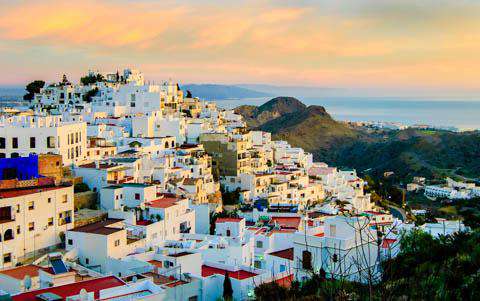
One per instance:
(459, 114)
(442, 113)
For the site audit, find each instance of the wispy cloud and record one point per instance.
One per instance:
(388, 43)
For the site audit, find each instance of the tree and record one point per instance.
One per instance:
(32, 88)
(87, 97)
(80, 187)
(65, 80)
(189, 94)
(91, 79)
(227, 288)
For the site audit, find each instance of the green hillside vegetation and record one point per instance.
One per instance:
(411, 152)
(426, 268)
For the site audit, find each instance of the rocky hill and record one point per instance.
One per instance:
(408, 153)
(277, 107)
(311, 128)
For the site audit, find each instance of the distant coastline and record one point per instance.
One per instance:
(462, 115)
(444, 113)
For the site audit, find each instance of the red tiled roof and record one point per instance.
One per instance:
(289, 222)
(387, 242)
(158, 264)
(286, 254)
(285, 281)
(12, 193)
(144, 223)
(101, 228)
(100, 166)
(64, 291)
(228, 220)
(165, 202)
(176, 283)
(22, 271)
(239, 275)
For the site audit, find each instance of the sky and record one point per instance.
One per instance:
(391, 45)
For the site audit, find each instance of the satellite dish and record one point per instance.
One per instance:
(27, 282)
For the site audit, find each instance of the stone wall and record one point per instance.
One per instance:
(87, 199)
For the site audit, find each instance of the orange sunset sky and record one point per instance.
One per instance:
(352, 43)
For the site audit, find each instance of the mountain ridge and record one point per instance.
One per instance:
(218, 91)
(410, 152)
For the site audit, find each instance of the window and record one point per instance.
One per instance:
(283, 268)
(18, 208)
(50, 221)
(64, 198)
(8, 235)
(228, 232)
(87, 261)
(257, 264)
(49, 200)
(31, 226)
(14, 142)
(14, 155)
(70, 242)
(7, 258)
(137, 196)
(333, 230)
(50, 142)
(117, 242)
(259, 244)
(31, 205)
(307, 260)
(2, 142)
(32, 142)
(19, 231)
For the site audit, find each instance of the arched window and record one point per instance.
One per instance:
(8, 235)
(50, 141)
(166, 144)
(307, 260)
(173, 144)
(14, 155)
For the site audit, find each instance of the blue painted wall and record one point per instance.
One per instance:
(26, 167)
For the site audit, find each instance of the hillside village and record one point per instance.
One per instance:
(118, 189)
